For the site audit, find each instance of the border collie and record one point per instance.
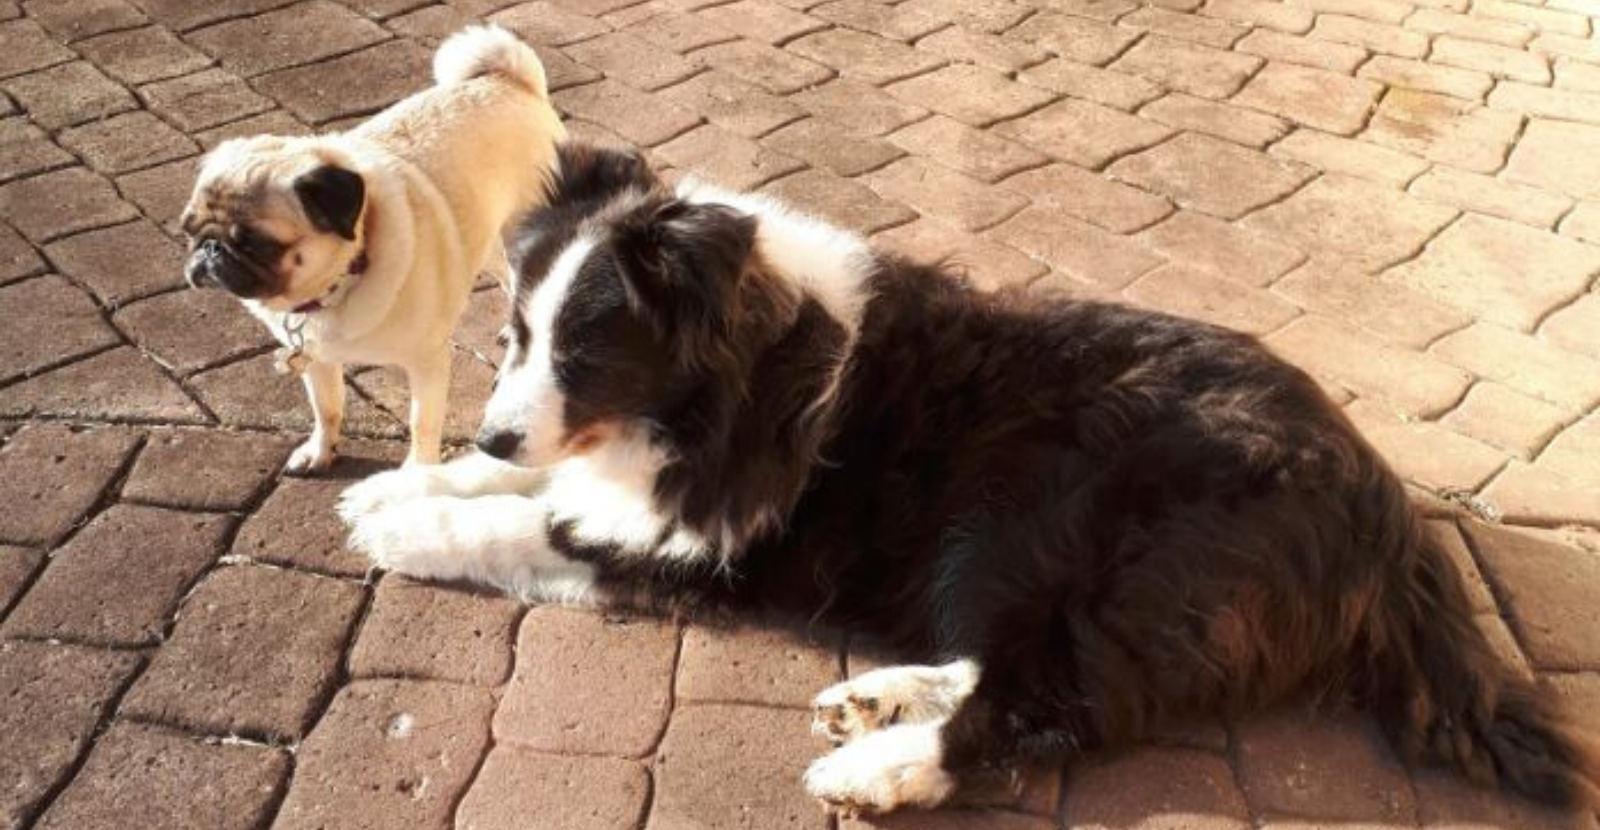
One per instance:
(1091, 522)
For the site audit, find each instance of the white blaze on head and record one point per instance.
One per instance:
(527, 400)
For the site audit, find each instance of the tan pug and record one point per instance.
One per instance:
(363, 246)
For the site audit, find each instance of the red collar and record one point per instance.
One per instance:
(356, 268)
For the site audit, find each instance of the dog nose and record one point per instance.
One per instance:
(499, 443)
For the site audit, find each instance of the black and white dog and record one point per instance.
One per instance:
(1092, 522)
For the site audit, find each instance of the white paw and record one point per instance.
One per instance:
(897, 767)
(382, 490)
(884, 697)
(313, 456)
(390, 538)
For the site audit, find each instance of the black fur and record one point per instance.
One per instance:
(1128, 519)
(332, 198)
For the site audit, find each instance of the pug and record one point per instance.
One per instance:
(363, 246)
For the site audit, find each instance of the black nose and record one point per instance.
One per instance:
(500, 443)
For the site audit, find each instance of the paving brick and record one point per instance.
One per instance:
(975, 153)
(633, 61)
(436, 633)
(389, 753)
(1212, 176)
(1084, 134)
(183, 15)
(45, 322)
(987, 16)
(1479, 264)
(749, 664)
(251, 393)
(1186, 67)
(1419, 385)
(18, 260)
(1426, 77)
(1547, 591)
(28, 48)
(1440, 22)
(82, 464)
(1449, 537)
(638, 117)
(1191, 292)
(772, 69)
(1491, 196)
(840, 201)
(1241, 126)
(937, 191)
(17, 567)
(1394, 313)
(1422, 451)
(389, 71)
(1075, 38)
(1100, 86)
(995, 52)
(69, 94)
(1540, 102)
(161, 192)
(1090, 197)
(1573, 452)
(548, 24)
(1530, 494)
(880, 19)
(1446, 800)
(274, 122)
(1499, 61)
(1504, 645)
(120, 263)
(1367, 224)
(1176, 788)
(1576, 328)
(823, 144)
(117, 582)
(864, 57)
(734, 767)
(55, 204)
(1444, 129)
(204, 99)
(291, 36)
(588, 683)
(255, 653)
(724, 157)
(519, 790)
(562, 72)
(189, 330)
(970, 94)
(170, 781)
(142, 55)
(1078, 249)
(1314, 97)
(26, 150)
(947, 819)
(1540, 19)
(987, 264)
(297, 527)
(1386, 11)
(1383, 38)
(680, 32)
(1220, 248)
(208, 470)
(733, 104)
(1322, 766)
(1207, 31)
(761, 20)
(430, 25)
(127, 142)
(1558, 156)
(1580, 76)
(116, 385)
(1318, 54)
(1579, 695)
(55, 698)
(1271, 15)
(1335, 154)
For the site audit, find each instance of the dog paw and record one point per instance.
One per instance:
(313, 456)
(842, 713)
(391, 540)
(897, 767)
(884, 697)
(382, 490)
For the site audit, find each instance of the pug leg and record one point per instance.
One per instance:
(430, 396)
(324, 384)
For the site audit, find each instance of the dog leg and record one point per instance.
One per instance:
(499, 540)
(889, 696)
(901, 766)
(324, 384)
(429, 380)
(470, 476)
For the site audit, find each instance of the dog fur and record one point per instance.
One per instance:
(1094, 522)
(366, 243)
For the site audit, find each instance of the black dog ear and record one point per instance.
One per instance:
(332, 197)
(681, 260)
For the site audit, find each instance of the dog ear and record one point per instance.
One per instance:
(332, 197)
(681, 262)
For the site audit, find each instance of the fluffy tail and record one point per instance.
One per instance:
(483, 50)
(1445, 697)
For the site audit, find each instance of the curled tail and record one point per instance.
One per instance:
(489, 50)
(1445, 697)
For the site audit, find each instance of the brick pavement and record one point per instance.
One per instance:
(1403, 196)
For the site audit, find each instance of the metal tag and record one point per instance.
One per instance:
(291, 361)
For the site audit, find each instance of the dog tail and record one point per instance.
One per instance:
(483, 50)
(1442, 693)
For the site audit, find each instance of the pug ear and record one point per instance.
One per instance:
(332, 198)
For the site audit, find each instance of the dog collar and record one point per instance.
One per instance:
(335, 292)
